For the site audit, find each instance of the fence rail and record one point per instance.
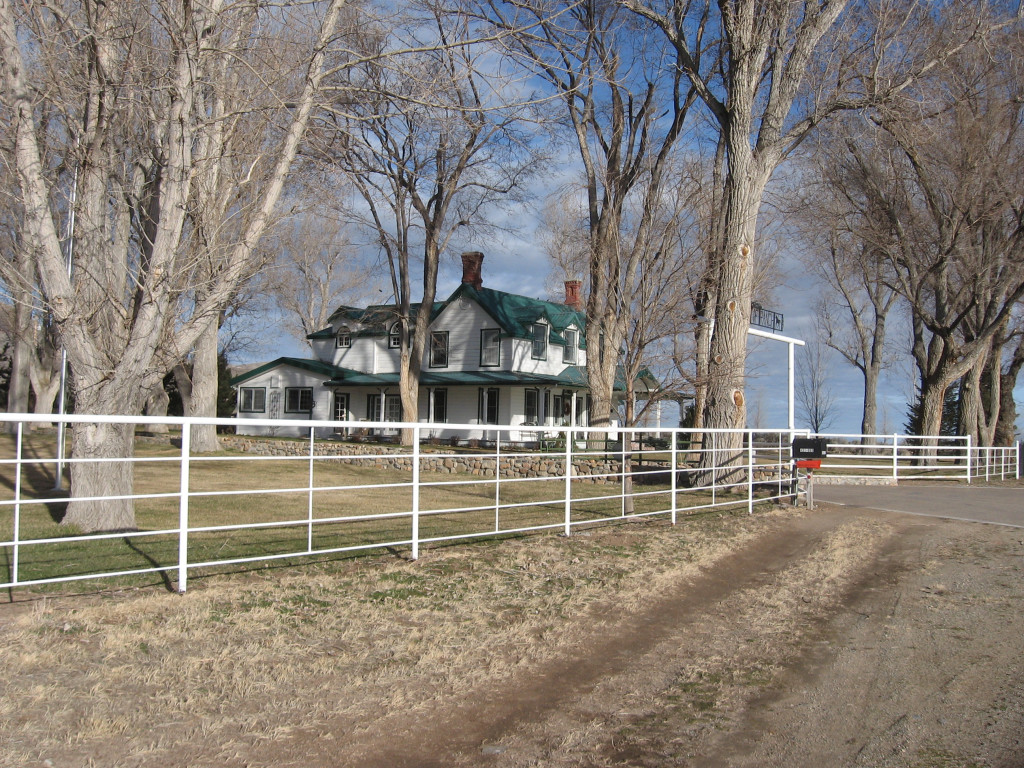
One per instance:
(318, 496)
(913, 457)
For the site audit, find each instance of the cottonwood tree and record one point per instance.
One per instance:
(624, 103)
(431, 145)
(769, 74)
(846, 248)
(943, 171)
(126, 93)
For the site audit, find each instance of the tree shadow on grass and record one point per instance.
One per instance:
(163, 573)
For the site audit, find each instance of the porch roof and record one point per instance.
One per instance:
(571, 376)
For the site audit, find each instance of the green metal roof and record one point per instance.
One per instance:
(567, 378)
(515, 314)
(571, 376)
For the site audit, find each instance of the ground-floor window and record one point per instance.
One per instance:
(439, 406)
(488, 405)
(252, 400)
(298, 399)
(531, 406)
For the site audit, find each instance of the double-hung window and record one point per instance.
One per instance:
(298, 399)
(569, 350)
(531, 406)
(252, 400)
(343, 340)
(490, 347)
(439, 349)
(540, 341)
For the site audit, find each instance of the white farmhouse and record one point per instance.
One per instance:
(493, 358)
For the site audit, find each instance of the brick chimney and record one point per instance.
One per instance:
(472, 262)
(573, 298)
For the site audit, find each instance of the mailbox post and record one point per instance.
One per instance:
(807, 453)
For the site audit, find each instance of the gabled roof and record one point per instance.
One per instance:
(376, 319)
(514, 313)
(313, 366)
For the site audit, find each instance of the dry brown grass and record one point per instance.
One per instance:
(138, 677)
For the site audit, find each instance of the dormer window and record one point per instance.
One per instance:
(569, 350)
(343, 339)
(395, 336)
(540, 341)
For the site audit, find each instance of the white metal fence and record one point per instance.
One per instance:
(911, 457)
(263, 499)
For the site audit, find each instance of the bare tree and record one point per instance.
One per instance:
(625, 105)
(814, 392)
(768, 74)
(943, 173)
(120, 85)
(430, 145)
(316, 268)
(846, 248)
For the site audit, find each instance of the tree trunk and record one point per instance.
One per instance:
(933, 392)
(184, 384)
(1006, 426)
(156, 405)
(869, 419)
(45, 385)
(203, 402)
(18, 388)
(726, 406)
(101, 479)
(970, 405)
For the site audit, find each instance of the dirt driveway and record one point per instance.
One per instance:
(838, 637)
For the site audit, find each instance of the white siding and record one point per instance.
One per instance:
(275, 382)
(464, 319)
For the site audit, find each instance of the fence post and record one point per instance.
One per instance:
(17, 505)
(969, 461)
(895, 457)
(416, 493)
(497, 479)
(750, 473)
(186, 451)
(309, 511)
(675, 471)
(1016, 460)
(714, 466)
(622, 471)
(568, 481)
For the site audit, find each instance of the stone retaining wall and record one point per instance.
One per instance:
(398, 458)
(525, 465)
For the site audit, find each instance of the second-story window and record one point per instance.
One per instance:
(540, 341)
(395, 336)
(490, 347)
(344, 338)
(439, 349)
(569, 350)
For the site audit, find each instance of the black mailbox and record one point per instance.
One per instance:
(809, 448)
